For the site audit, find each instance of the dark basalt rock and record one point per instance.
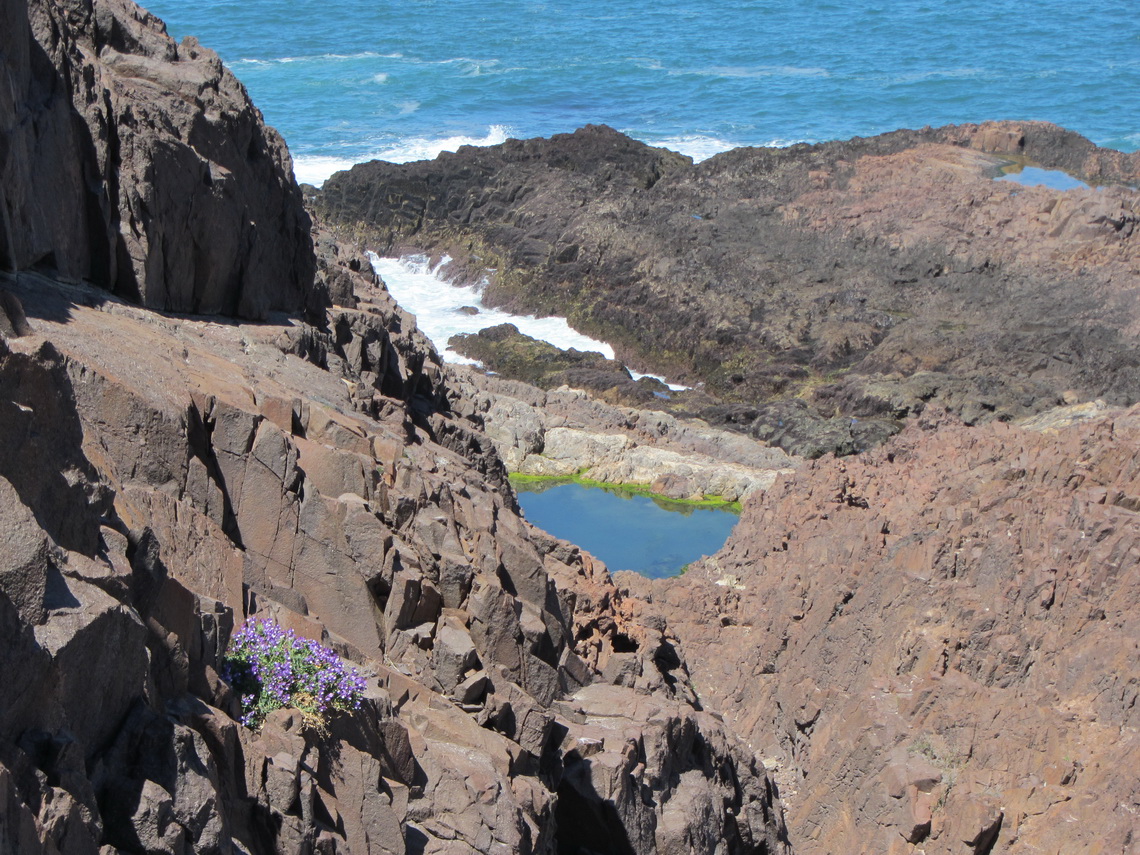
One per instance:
(505, 350)
(830, 274)
(516, 356)
(140, 165)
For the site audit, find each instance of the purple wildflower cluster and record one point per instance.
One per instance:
(271, 668)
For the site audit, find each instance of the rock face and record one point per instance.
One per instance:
(936, 642)
(163, 478)
(140, 165)
(824, 293)
(327, 479)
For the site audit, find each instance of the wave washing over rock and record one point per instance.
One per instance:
(163, 477)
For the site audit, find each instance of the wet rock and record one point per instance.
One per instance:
(504, 350)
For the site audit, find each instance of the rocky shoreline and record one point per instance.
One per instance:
(211, 410)
(298, 453)
(822, 294)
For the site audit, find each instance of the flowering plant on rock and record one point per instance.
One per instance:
(271, 668)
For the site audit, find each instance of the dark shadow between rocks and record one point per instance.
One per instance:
(41, 450)
(587, 824)
(415, 841)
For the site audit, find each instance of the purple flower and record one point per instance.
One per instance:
(272, 668)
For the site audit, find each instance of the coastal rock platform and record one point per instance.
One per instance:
(823, 293)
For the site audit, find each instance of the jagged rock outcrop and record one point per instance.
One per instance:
(936, 642)
(164, 478)
(319, 478)
(824, 293)
(140, 165)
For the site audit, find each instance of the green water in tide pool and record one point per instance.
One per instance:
(626, 530)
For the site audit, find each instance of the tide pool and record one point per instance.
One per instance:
(625, 530)
(1035, 176)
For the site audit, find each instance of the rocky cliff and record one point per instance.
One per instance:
(140, 165)
(936, 642)
(511, 704)
(163, 478)
(825, 293)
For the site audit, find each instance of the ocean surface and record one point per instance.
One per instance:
(351, 80)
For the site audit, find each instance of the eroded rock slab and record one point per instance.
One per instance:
(564, 431)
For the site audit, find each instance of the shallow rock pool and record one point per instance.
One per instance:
(625, 530)
(1034, 176)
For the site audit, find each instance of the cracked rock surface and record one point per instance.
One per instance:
(935, 643)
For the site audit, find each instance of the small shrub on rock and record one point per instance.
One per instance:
(271, 668)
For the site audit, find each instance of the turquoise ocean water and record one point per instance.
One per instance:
(349, 80)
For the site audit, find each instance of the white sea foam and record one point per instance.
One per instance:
(315, 169)
(703, 147)
(938, 74)
(748, 71)
(762, 71)
(695, 146)
(675, 387)
(436, 304)
(321, 57)
(426, 148)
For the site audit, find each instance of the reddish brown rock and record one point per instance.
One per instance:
(230, 477)
(936, 642)
(163, 478)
